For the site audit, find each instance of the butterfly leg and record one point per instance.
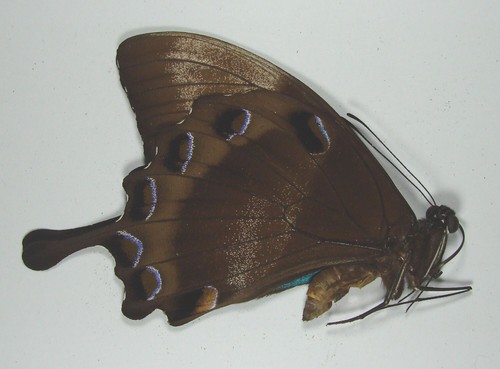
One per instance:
(333, 283)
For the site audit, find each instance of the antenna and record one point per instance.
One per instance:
(425, 192)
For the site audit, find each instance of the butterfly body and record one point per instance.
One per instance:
(252, 185)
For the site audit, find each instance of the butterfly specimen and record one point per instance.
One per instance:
(252, 184)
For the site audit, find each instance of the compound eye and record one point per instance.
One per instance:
(452, 223)
(432, 212)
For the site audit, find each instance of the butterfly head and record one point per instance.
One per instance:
(427, 260)
(443, 215)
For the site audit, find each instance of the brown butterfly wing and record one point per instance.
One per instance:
(244, 213)
(163, 73)
(250, 192)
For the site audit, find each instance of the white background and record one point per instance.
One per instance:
(424, 74)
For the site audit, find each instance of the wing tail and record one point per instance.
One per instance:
(44, 248)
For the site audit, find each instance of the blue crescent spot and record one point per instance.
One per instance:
(157, 276)
(244, 126)
(321, 127)
(137, 242)
(154, 195)
(190, 152)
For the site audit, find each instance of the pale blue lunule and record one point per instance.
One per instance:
(137, 242)
(189, 153)
(154, 196)
(157, 276)
(244, 126)
(321, 127)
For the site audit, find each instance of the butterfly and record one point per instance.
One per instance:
(252, 185)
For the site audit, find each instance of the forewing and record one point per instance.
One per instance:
(163, 73)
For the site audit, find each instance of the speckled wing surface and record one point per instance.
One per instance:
(163, 73)
(252, 184)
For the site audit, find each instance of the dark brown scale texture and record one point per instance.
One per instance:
(252, 184)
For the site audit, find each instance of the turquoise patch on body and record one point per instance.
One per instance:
(299, 281)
